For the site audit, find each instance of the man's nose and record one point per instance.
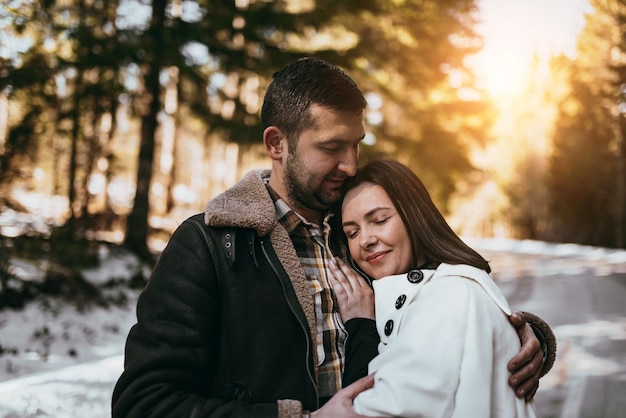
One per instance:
(349, 161)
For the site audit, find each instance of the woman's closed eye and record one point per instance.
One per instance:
(353, 232)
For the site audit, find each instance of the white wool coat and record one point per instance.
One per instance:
(444, 350)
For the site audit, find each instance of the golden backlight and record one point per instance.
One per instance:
(512, 71)
(515, 32)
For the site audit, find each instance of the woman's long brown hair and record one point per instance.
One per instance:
(431, 236)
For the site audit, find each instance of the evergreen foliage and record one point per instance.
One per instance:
(91, 59)
(586, 175)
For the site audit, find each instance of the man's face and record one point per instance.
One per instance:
(325, 155)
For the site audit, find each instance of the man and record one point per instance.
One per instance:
(238, 318)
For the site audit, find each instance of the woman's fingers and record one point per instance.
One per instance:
(355, 280)
(340, 275)
(354, 297)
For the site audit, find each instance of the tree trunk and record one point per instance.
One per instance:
(137, 222)
(73, 169)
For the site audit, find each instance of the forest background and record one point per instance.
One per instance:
(118, 119)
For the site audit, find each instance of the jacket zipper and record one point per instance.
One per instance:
(293, 309)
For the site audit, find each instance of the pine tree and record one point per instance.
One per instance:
(586, 178)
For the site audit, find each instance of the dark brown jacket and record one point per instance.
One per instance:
(226, 322)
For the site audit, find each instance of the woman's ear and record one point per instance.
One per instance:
(275, 142)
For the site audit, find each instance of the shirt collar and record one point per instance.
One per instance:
(289, 218)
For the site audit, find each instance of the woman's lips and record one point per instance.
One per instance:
(376, 257)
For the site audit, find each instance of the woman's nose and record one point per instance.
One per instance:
(367, 239)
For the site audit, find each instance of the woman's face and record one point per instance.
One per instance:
(377, 238)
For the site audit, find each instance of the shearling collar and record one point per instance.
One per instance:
(245, 205)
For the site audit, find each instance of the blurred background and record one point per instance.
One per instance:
(120, 118)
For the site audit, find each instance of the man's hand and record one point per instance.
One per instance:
(354, 296)
(526, 366)
(340, 405)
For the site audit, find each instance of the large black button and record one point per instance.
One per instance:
(415, 276)
(388, 327)
(400, 301)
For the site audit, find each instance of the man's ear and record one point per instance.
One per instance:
(275, 142)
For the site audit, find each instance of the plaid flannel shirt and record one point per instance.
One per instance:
(313, 249)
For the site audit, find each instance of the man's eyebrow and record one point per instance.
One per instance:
(342, 140)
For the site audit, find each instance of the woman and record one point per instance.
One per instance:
(445, 337)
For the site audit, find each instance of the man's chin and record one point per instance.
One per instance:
(331, 197)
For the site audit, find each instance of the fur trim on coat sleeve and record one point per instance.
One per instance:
(546, 337)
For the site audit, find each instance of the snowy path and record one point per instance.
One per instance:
(78, 391)
(84, 390)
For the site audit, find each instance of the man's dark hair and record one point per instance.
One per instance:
(302, 83)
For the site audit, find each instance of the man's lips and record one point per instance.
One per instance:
(335, 184)
(374, 258)
(336, 180)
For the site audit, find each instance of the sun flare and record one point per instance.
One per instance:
(515, 33)
(500, 74)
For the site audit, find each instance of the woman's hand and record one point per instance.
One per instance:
(354, 295)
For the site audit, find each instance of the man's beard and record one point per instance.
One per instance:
(301, 193)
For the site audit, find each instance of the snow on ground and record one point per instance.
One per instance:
(586, 252)
(58, 361)
(83, 390)
(40, 338)
(49, 334)
(533, 257)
